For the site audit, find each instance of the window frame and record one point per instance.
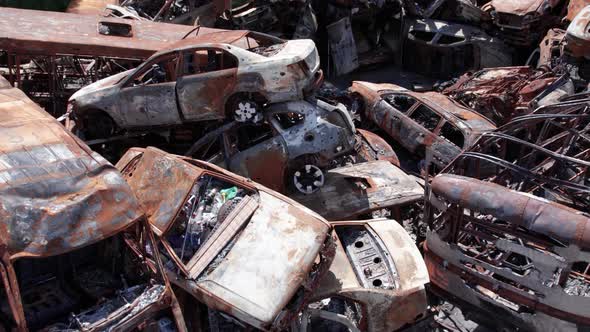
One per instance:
(146, 66)
(183, 53)
(411, 112)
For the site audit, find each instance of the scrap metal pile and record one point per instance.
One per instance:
(295, 165)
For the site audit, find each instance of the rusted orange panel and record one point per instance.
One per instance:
(89, 7)
(33, 32)
(574, 7)
(56, 194)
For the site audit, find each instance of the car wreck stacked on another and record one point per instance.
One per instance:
(73, 236)
(250, 253)
(229, 74)
(510, 225)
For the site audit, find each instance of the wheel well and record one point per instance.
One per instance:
(92, 116)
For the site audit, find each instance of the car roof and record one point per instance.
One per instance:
(56, 195)
(454, 112)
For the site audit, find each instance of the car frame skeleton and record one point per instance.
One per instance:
(73, 236)
(290, 244)
(510, 224)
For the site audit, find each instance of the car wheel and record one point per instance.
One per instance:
(308, 179)
(247, 111)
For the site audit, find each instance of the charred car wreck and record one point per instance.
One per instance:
(230, 74)
(232, 244)
(421, 122)
(509, 222)
(69, 262)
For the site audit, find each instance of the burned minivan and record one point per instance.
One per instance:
(238, 248)
(72, 237)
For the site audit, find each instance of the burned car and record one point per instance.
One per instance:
(291, 149)
(524, 22)
(376, 283)
(510, 224)
(421, 122)
(507, 92)
(233, 245)
(313, 153)
(73, 235)
(440, 49)
(520, 259)
(230, 74)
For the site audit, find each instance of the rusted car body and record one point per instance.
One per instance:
(509, 222)
(314, 154)
(230, 74)
(376, 282)
(296, 136)
(234, 245)
(525, 22)
(73, 235)
(507, 92)
(522, 259)
(440, 49)
(421, 122)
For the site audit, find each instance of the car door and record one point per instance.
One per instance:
(148, 98)
(448, 144)
(256, 152)
(417, 132)
(391, 113)
(208, 78)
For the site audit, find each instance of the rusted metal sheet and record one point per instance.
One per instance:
(502, 93)
(290, 243)
(574, 7)
(89, 7)
(57, 195)
(359, 189)
(524, 23)
(31, 32)
(377, 266)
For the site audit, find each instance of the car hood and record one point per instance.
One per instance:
(516, 7)
(101, 84)
(269, 261)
